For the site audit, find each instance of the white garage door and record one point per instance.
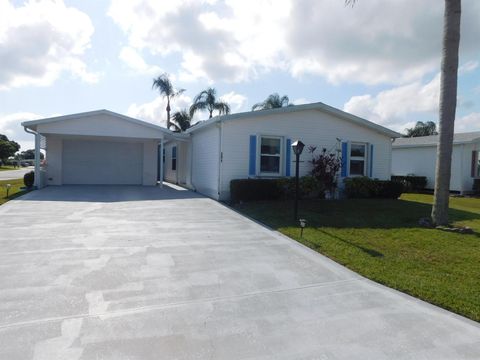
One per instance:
(102, 162)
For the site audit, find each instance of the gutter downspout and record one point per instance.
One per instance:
(191, 184)
(220, 159)
(37, 181)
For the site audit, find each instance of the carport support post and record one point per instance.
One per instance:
(37, 180)
(160, 163)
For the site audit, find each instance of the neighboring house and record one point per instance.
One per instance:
(417, 156)
(102, 147)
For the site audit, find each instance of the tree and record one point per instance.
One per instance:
(7, 148)
(448, 105)
(273, 101)
(422, 129)
(166, 89)
(207, 100)
(30, 154)
(182, 120)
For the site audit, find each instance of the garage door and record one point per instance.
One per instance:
(102, 162)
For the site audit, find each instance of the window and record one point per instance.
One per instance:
(270, 155)
(357, 159)
(174, 158)
(478, 164)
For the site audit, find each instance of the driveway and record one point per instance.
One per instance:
(147, 273)
(15, 174)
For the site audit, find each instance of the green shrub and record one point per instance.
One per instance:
(29, 179)
(309, 186)
(476, 186)
(364, 187)
(411, 183)
(255, 189)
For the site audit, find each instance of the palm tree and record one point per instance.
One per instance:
(182, 120)
(448, 105)
(166, 89)
(422, 129)
(273, 101)
(207, 100)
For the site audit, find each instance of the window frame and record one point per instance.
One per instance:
(174, 158)
(280, 155)
(363, 158)
(477, 172)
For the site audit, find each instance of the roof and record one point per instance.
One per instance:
(33, 123)
(432, 140)
(289, 109)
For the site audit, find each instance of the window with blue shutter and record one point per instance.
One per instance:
(344, 172)
(252, 157)
(370, 163)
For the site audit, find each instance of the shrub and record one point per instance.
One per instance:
(411, 183)
(476, 186)
(255, 189)
(309, 186)
(325, 168)
(29, 179)
(364, 187)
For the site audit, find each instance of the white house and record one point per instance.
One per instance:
(417, 156)
(102, 147)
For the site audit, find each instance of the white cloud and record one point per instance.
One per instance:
(39, 40)
(300, 101)
(236, 101)
(135, 61)
(10, 126)
(468, 67)
(397, 107)
(235, 40)
(470, 122)
(155, 112)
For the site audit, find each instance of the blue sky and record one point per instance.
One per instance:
(379, 60)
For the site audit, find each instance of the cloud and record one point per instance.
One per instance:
(236, 101)
(135, 61)
(155, 112)
(10, 126)
(398, 107)
(233, 40)
(40, 40)
(467, 123)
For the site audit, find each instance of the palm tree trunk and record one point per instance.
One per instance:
(168, 114)
(448, 104)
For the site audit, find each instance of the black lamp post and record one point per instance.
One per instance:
(297, 148)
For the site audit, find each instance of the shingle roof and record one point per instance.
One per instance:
(459, 138)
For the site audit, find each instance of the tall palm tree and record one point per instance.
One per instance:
(448, 105)
(207, 100)
(166, 89)
(273, 101)
(182, 120)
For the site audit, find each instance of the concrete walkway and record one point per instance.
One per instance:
(147, 273)
(15, 174)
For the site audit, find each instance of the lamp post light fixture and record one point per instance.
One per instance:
(8, 186)
(297, 148)
(303, 223)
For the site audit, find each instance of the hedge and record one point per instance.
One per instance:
(364, 187)
(255, 189)
(411, 183)
(476, 186)
(29, 179)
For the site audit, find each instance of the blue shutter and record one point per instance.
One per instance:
(288, 152)
(252, 159)
(370, 163)
(344, 172)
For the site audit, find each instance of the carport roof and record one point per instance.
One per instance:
(34, 123)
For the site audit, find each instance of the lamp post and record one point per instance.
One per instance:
(297, 148)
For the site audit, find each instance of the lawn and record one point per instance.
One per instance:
(14, 192)
(381, 240)
(7, 167)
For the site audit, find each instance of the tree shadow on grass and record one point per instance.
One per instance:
(370, 252)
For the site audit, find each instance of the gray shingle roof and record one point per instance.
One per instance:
(459, 138)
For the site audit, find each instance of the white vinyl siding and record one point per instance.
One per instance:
(312, 127)
(206, 161)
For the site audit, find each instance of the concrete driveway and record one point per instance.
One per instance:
(15, 174)
(147, 273)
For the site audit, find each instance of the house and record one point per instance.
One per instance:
(418, 155)
(102, 147)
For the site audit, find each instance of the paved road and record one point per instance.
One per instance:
(144, 273)
(15, 174)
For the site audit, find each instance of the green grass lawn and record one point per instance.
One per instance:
(7, 167)
(14, 192)
(381, 240)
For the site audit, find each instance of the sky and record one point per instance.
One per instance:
(378, 59)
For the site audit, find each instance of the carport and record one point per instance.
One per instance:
(98, 148)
